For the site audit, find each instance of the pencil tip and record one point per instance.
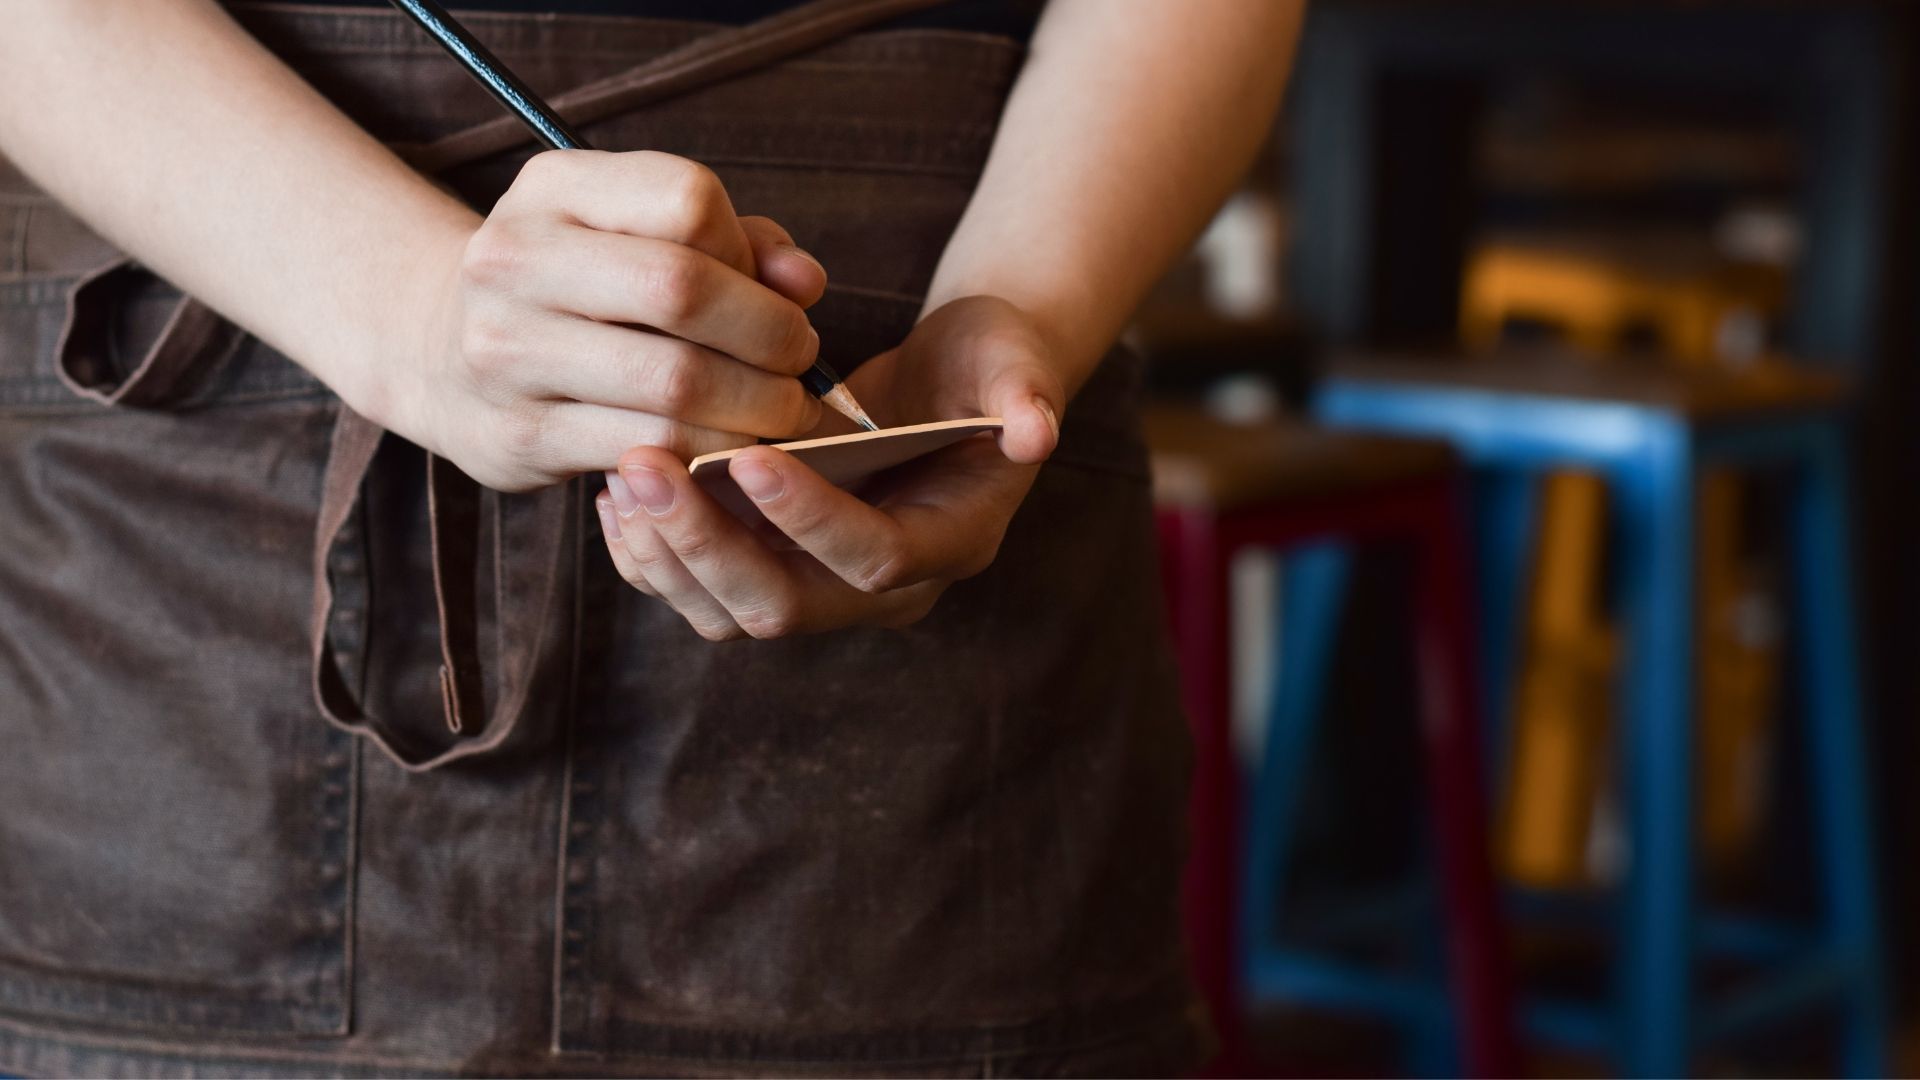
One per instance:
(844, 404)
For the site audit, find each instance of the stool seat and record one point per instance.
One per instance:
(1202, 461)
(1704, 393)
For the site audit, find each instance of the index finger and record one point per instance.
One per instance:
(635, 280)
(949, 528)
(768, 594)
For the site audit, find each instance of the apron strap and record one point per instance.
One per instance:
(453, 498)
(453, 522)
(87, 355)
(706, 60)
(454, 508)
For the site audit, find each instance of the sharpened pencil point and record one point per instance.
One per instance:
(842, 402)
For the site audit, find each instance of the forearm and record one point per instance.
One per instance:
(170, 130)
(1128, 127)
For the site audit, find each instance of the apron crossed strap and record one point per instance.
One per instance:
(194, 337)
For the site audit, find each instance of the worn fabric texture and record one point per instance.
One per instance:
(948, 850)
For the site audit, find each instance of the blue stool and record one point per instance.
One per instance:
(1648, 430)
(1312, 495)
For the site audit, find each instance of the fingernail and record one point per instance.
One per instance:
(1046, 410)
(807, 255)
(813, 350)
(622, 495)
(609, 521)
(650, 488)
(761, 483)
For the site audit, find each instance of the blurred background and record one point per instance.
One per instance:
(1536, 438)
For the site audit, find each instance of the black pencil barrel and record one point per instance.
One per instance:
(492, 74)
(820, 379)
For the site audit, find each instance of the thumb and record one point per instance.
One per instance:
(1027, 396)
(783, 267)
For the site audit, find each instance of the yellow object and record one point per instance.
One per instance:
(1562, 700)
(1598, 291)
(1605, 294)
(1738, 673)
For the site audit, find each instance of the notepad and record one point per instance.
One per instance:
(845, 460)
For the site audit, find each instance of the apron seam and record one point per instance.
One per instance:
(1174, 1019)
(16, 247)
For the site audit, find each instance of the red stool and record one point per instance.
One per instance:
(1223, 488)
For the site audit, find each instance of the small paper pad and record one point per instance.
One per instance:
(844, 460)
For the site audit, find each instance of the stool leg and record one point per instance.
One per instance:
(1313, 584)
(1833, 715)
(1476, 937)
(1655, 505)
(1195, 563)
(1506, 505)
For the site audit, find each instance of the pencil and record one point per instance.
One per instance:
(820, 380)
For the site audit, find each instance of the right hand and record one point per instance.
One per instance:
(610, 301)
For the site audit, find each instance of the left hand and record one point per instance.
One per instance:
(829, 559)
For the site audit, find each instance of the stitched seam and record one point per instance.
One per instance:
(17, 968)
(351, 33)
(872, 57)
(961, 170)
(1175, 1018)
(17, 239)
(1122, 1032)
(36, 290)
(288, 1020)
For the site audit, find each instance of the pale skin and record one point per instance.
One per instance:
(508, 344)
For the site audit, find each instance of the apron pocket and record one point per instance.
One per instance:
(176, 821)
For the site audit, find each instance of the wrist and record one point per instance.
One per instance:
(390, 377)
(1066, 320)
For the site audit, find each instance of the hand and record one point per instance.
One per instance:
(611, 300)
(827, 559)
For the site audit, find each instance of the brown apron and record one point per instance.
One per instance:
(320, 760)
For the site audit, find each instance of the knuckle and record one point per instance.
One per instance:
(916, 609)
(649, 429)
(544, 169)
(523, 432)
(686, 441)
(488, 346)
(692, 194)
(630, 573)
(803, 411)
(795, 351)
(649, 560)
(493, 257)
(692, 545)
(679, 381)
(673, 283)
(886, 571)
(768, 623)
(717, 632)
(802, 517)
